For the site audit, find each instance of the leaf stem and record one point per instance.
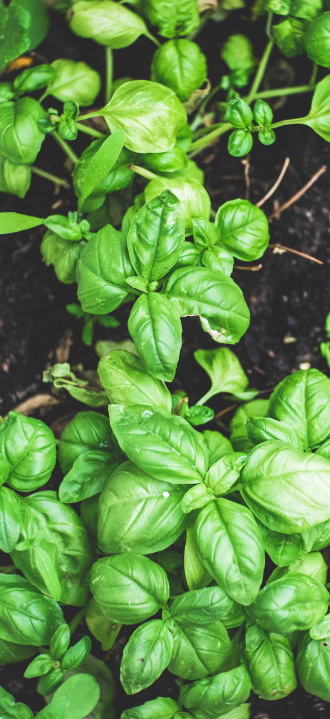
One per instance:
(282, 91)
(90, 130)
(49, 176)
(143, 172)
(65, 147)
(108, 74)
(199, 144)
(76, 620)
(261, 71)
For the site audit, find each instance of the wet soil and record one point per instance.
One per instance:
(288, 297)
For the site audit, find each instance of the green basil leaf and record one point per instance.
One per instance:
(316, 39)
(214, 297)
(218, 445)
(75, 81)
(311, 564)
(292, 603)
(160, 708)
(13, 709)
(125, 381)
(155, 328)
(150, 115)
(270, 663)
(102, 271)
(137, 514)
(103, 628)
(196, 575)
(172, 161)
(196, 497)
(195, 201)
(24, 25)
(87, 431)
(162, 445)
(156, 236)
(129, 588)
(14, 222)
(225, 472)
(225, 372)
(289, 36)
(237, 53)
(20, 137)
(202, 606)
(317, 537)
(152, 642)
(60, 641)
(198, 650)
(87, 476)
(313, 666)
(11, 653)
(29, 447)
(76, 654)
(48, 527)
(288, 490)
(33, 78)
(10, 519)
(217, 258)
(27, 616)
(181, 65)
(231, 549)
(74, 699)
(14, 179)
(302, 401)
(217, 695)
(322, 629)
(107, 23)
(63, 254)
(173, 19)
(243, 229)
(318, 116)
(39, 666)
(239, 437)
(119, 176)
(261, 429)
(282, 548)
(101, 164)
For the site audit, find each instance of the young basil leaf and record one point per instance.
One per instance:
(231, 549)
(60, 641)
(14, 179)
(125, 381)
(225, 472)
(107, 23)
(156, 236)
(155, 642)
(77, 697)
(261, 429)
(181, 65)
(270, 663)
(292, 603)
(101, 164)
(237, 53)
(150, 115)
(282, 548)
(160, 708)
(129, 588)
(76, 654)
(15, 222)
(214, 297)
(87, 431)
(218, 694)
(226, 374)
(155, 328)
(29, 447)
(217, 258)
(39, 666)
(165, 162)
(239, 114)
(205, 234)
(102, 270)
(243, 229)
(33, 78)
(203, 606)
(50, 681)
(302, 400)
(63, 254)
(20, 137)
(119, 177)
(87, 476)
(198, 415)
(217, 444)
(173, 19)
(318, 116)
(75, 81)
(238, 436)
(50, 528)
(322, 629)
(10, 519)
(198, 650)
(162, 445)
(195, 201)
(27, 616)
(137, 514)
(289, 36)
(313, 665)
(196, 575)
(103, 628)
(316, 39)
(240, 143)
(288, 490)
(196, 497)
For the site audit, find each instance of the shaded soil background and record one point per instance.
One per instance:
(288, 297)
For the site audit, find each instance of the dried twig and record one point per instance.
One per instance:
(281, 249)
(276, 184)
(38, 400)
(298, 194)
(255, 268)
(224, 411)
(246, 165)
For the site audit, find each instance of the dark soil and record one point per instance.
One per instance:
(288, 296)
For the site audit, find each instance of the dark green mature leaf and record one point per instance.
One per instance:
(231, 549)
(14, 222)
(150, 115)
(316, 39)
(214, 297)
(270, 663)
(292, 603)
(243, 229)
(11, 653)
(198, 650)
(288, 490)
(125, 381)
(29, 447)
(24, 24)
(282, 548)
(313, 665)
(152, 642)
(12, 709)
(137, 514)
(101, 163)
(87, 431)
(156, 236)
(63, 254)
(160, 708)
(102, 270)
(87, 476)
(202, 606)
(129, 588)
(155, 328)
(10, 519)
(181, 65)
(173, 19)
(312, 564)
(163, 445)
(20, 137)
(217, 695)
(54, 544)
(27, 616)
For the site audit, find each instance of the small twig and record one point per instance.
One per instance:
(246, 165)
(38, 400)
(298, 194)
(224, 411)
(255, 268)
(276, 184)
(280, 249)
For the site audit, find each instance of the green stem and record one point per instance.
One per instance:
(282, 91)
(283, 123)
(76, 620)
(49, 176)
(108, 74)
(143, 172)
(206, 397)
(97, 113)
(65, 147)
(199, 144)
(90, 130)
(153, 39)
(313, 76)
(261, 71)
